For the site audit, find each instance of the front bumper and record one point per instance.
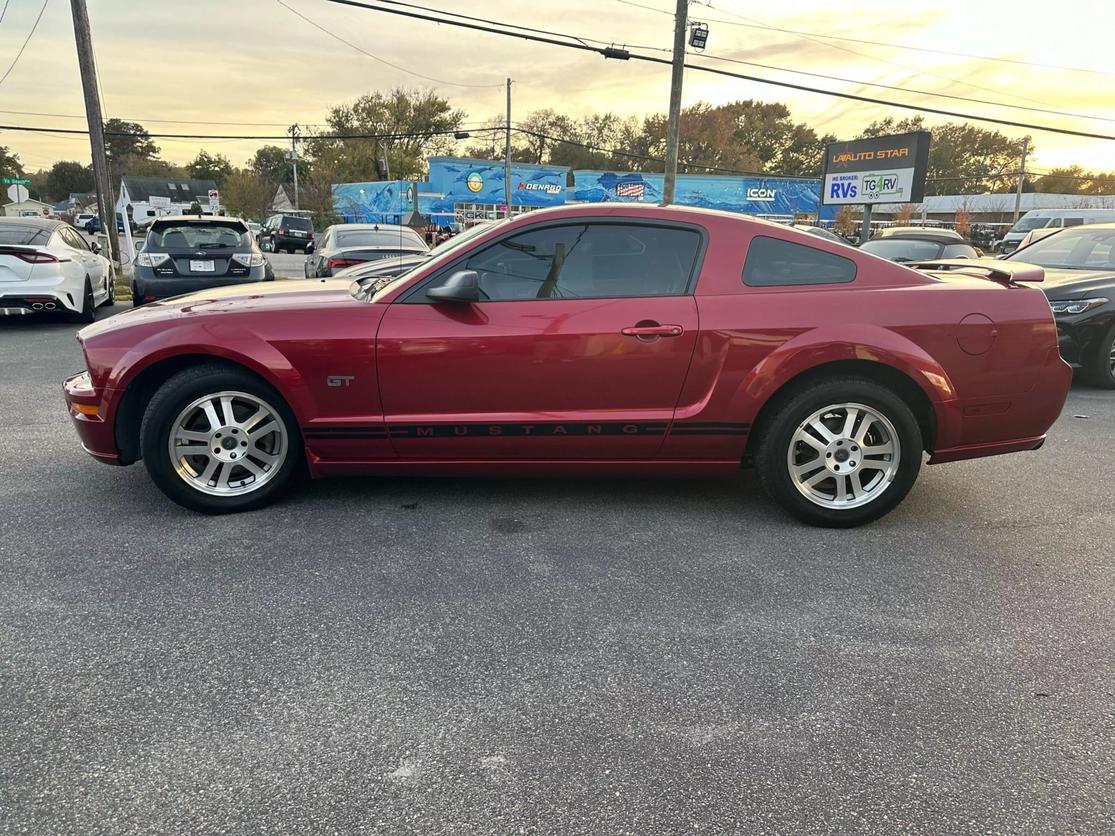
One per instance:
(87, 408)
(1079, 335)
(147, 287)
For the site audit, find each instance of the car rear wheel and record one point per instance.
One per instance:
(1099, 370)
(841, 453)
(218, 440)
(88, 311)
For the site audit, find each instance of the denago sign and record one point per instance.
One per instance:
(884, 169)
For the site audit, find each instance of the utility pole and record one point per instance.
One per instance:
(1021, 177)
(106, 206)
(676, 77)
(293, 131)
(507, 155)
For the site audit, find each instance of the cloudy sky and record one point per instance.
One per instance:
(174, 64)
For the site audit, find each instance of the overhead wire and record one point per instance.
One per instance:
(26, 41)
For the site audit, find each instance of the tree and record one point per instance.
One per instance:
(128, 139)
(963, 158)
(904, 215)
(846, 221)
(67, 177)
(10, 165)
(417, 120)
(247, 194)
(206, 166)
(270, 163)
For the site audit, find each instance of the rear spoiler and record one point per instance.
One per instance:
(990, 268)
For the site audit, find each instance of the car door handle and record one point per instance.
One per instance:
(653, 331)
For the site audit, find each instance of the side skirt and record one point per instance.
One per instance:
(600, 468)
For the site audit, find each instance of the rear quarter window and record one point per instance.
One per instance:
(773, 262)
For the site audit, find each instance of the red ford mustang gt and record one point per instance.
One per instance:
(602, 340)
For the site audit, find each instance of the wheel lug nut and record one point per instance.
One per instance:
(243, 444)
(828, 455)
(218, 435)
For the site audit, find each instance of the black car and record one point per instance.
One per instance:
(185, 253)
(1079, 282)
(912, 244)
(288, 233)
(821, 232)
(343, 245)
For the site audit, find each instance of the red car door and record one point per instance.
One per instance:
(578, 347)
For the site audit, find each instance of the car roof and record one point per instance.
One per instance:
(920, 232)
(26, 220)
(371, 226)
(193, 219)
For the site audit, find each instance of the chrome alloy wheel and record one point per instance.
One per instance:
(227, 444)
(843, 456)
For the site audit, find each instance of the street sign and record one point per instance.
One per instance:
(18, 193)
(19, 181)
(214, 200)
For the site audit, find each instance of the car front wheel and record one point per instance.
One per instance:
(841, 453)
(217, 439)
(1099, 370)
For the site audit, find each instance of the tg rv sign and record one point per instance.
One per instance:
(885, 169)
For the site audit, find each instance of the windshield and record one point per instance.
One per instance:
(1026, 224)
(366, 289)
(903, 249)
(1072, 249)
(377, 238)
(213, 235)
(23, 234)
(296, 223)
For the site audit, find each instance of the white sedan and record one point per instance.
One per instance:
(45, 265)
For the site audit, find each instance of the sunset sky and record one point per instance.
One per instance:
(252, 61)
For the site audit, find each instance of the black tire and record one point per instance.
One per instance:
(174, 396)
(1099, 367)
(777, 433)
(88, 312)
(136, 301)
(110, 285)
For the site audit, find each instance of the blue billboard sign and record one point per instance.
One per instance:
(388, 202)
(482, 181)
(752, 195)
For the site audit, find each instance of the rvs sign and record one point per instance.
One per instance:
(885, 169)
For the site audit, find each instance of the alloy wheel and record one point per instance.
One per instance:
(843, 456)
(228, 443)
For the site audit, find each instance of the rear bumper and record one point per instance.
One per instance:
(147, 288)
(88, 408)
(976, 451)
(38, 295)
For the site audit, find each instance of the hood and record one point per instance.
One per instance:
(259, 298)
(1076, 284)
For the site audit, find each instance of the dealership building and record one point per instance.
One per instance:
(464, 190)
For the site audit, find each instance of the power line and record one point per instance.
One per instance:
(397, 135)
(910, 47)
(4, 10)
(365, 52)
(609, 53)
(26, 41)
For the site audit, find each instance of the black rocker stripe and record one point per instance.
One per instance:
(520, 430)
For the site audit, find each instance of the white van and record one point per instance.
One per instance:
(1052, 219)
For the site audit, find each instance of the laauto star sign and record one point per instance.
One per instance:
(885, 169)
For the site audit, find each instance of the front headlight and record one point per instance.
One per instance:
(249, 259)
(1076, 306)
(152, 259)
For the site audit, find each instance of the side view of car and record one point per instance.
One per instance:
(1079, 266)
(184, 253)
(45, 265)
(608, 340)
(345, 245)
(912, 244)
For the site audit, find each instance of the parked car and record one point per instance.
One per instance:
(1080, 284)
(255, 230)
(45, 265)
(587, 339)
(1052, 219)
(397, 265)
(906, 244)
(343, 245)
(288, 233)
(184, 253)
(83, 218)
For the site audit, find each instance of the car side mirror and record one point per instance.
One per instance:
(309, 247)
(462, 286)
(95, 247)
(139, 246)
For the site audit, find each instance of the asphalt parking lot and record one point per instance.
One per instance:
(550, 656)
(287, 265)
